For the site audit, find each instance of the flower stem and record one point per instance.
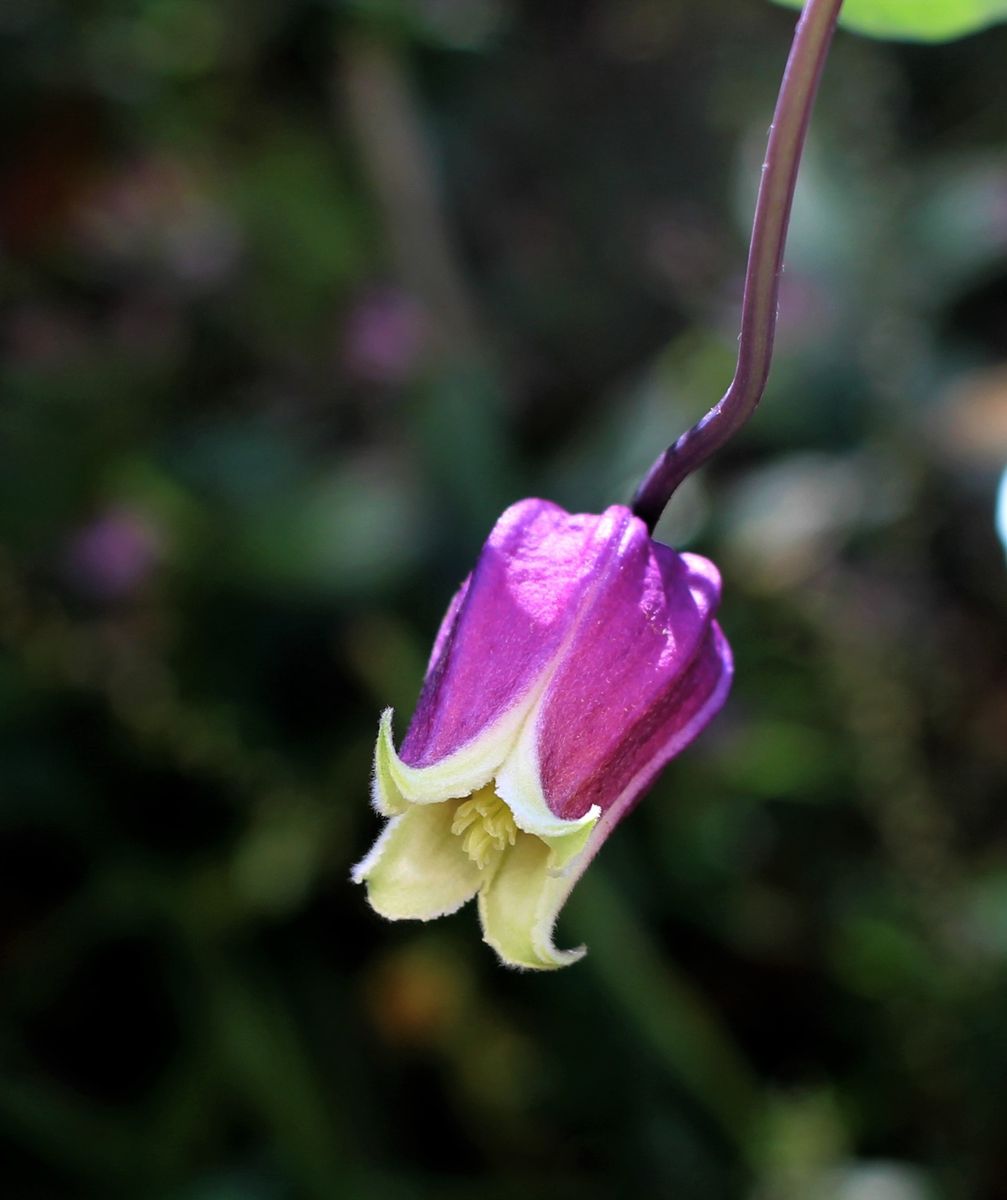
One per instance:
(765, 265)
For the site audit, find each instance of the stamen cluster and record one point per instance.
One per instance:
(485, 825)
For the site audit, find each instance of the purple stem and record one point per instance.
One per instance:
(765, 265)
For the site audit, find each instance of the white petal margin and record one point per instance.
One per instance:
(518, 907)
(397, 785)
(519, 785)
(417, 869)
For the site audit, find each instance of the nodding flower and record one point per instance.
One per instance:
(577, 659)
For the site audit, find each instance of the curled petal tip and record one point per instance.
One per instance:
(519, 907)
(416, 870)
(386, 798)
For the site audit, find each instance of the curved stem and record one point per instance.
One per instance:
(765, 265)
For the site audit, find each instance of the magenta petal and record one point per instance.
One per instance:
(506, 628)
(646, 669)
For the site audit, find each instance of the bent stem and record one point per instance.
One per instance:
(765, 265)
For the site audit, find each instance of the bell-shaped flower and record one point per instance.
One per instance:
(574, 662)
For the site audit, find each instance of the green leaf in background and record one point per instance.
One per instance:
(918, 20)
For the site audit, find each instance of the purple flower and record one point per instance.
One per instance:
(574, 662)
(384, 337)
(113, 555)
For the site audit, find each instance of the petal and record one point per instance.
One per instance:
(417, 868)
(646, 669)
(518, 907)
(508, 627)
(386, 795)
(702, 695)
(447, 625)
(518, 784)
(398, 785)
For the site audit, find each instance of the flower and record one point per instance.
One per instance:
(573, 663)
(384, 338)
(111, 557)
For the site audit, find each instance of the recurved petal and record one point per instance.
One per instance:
(519, 905)
(507, 628)
(518, 784)
(386, 795)
(397, 785)
(417, 868)
(646, 666)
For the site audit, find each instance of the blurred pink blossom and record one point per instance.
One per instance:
(109, 558)
(384, 337)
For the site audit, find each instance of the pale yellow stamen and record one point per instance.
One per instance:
(486, 826)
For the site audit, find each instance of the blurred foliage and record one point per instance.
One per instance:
(296, 296)
(933, 21)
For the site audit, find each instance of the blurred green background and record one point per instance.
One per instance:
(297, 296)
